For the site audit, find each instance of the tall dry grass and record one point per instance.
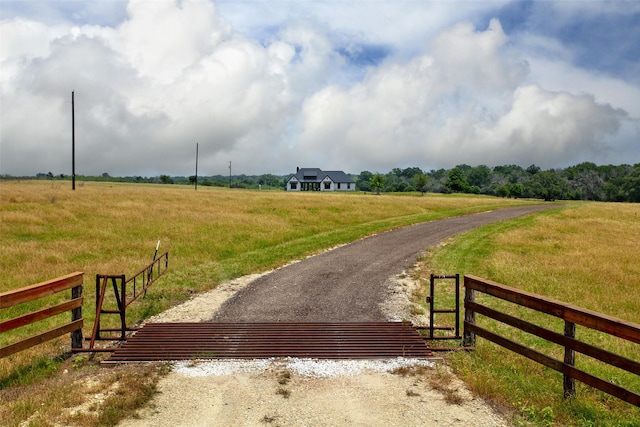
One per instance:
(587, 255)
(212, 234)
(48, 230)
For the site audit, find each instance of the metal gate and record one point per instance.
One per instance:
(441, 284)
(125, 292)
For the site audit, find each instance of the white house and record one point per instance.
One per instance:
(314, 179)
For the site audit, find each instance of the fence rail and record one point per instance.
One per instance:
(572, 316)
(27, 294)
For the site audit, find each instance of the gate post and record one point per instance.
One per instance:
(469, 315)
(76, 314)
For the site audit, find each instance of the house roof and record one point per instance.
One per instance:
(317, 175)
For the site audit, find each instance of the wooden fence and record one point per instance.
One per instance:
(27, 294)
(572, 316)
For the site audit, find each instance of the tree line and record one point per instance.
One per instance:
(585, 181)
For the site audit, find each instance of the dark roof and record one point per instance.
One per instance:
(317, 175)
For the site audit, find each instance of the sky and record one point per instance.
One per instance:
(353, 85)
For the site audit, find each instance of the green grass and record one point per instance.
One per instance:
(212, 235)
(586, 255)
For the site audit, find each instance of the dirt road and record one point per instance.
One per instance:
(349, 283)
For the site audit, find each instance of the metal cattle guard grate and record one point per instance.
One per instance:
(180, 341)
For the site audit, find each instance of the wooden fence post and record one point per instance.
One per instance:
(569, 383)
(76, 314)
(469, 338)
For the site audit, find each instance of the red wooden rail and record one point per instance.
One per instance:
(12, 298)
(572, 316)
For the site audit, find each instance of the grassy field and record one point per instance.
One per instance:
(216, 234)
(212, 235)
(587, 255)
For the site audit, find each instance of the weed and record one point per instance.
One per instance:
(40, 368)
(268, 419)
(416, 310)
(543, 417)
(80, 361)
(283, 392)
(415, 370)
(412, 393)
(441, 380)
(284, 377)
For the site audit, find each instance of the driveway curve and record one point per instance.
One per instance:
(349, 283)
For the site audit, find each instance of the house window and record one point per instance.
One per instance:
(349, 186)
(294, 185)
(327, 185)
(338, 186)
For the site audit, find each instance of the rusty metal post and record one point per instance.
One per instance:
(123, 309)
(430, 300)
(569, 383)
(96, 328)
(76, 314)
(469, 338)
(457, 306)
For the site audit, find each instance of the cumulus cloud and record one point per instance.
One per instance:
(466, 101)
(172, 74)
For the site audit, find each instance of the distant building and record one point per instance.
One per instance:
(314, 179)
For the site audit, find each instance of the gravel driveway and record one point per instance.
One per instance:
(349, 283)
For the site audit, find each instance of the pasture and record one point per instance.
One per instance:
(584, 254)
(212, 234)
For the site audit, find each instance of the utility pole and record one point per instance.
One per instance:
(73, 144)
(196, 166)
(229, 173)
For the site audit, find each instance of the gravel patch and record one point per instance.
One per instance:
(305, 367)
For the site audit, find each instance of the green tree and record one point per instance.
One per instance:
(502, 191)
(376, 183)
(533, 169)
(270, 180)
(363, 183)
(420, 180)
(409, 173)
(548, 185)
(456, 181)
(480, 176)
(516, 190)
(166, 179)
(631, 185)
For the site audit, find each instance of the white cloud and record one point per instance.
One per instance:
(161, 39)
(174, 74)
(554, 127)
(465, 102)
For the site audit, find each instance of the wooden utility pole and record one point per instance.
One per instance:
(229, 173)
(196, 166)
(73, 144)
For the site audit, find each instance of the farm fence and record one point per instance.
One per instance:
(29, 294)
(572, 316)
